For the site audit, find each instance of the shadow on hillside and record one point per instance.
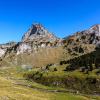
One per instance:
(88, 61)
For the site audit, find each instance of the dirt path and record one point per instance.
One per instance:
(14, 87)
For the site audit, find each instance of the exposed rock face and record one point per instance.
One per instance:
(4, 48)
(38, 33)
(23, 47)
(38, 47)
(98, 45)
(37, 37)
(38, 40)
(2, 52)
(94, 29)
(93, 34)
(84, 41)
(84, 50)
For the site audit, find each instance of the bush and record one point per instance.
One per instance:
(55, 69)
(82, 69)
(98, 72)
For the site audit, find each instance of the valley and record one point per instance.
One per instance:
(14, 86)
(44, 67)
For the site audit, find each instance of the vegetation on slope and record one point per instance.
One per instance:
(15, 87)
(75, 81)
(38, 58)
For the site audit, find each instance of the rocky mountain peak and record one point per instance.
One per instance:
(95, 29)
(38, 32)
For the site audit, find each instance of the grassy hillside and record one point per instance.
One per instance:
(76, 80)
(15, 87)
(39, 58)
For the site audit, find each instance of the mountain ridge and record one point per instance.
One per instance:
(38, 40)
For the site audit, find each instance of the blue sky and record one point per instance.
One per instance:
(62, 17)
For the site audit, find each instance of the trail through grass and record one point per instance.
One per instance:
(14, 87)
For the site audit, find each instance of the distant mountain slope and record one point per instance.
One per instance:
(83, 42)
(39, 45)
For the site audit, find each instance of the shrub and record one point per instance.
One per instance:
(55, 69)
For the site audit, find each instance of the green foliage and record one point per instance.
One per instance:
(15, 87)
(75, 80)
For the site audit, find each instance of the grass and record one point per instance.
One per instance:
(76, 73)
(14, 87)
(70, 80)
(40, 58)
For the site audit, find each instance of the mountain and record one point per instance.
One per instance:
(5, 47)
(39, 47)
(94, 30)
(37, 37)
(78, 65)
(70, 65)
(38, 33)
(83, 42)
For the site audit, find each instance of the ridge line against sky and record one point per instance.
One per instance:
(62, 17)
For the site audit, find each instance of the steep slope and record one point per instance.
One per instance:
(82, 49)
(80, 68)
(38, 47)
(37, 37)
(4, 48)
(38, 33)
(94, 30)
(83, 42)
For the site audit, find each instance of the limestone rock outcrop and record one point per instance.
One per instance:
(37, 37)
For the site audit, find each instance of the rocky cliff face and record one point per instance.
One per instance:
(37, 44)
(82, 50)
(4, 48)
(37, 37)
(38, 33)
(94, 30)
(84, 41)
(37, 47)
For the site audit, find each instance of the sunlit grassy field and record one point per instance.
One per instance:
(14, 87)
